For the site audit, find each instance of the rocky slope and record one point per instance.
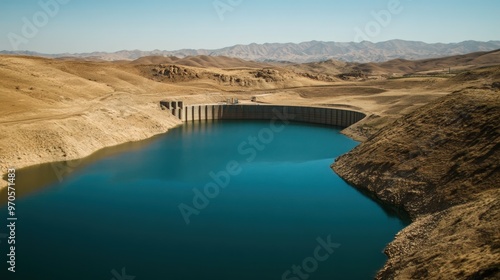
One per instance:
(441, 164)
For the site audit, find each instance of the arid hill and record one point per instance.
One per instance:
(63, 109)
(398, 67)
(441, 164)
(118, 100)
(434, 66)
(201, 61)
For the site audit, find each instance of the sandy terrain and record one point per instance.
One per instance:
(64, 109)
(58, 110)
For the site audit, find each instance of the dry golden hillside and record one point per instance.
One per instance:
(60, 109)
(441, 164)
(63, 109)
(201, 61)
(436, 65)
(49, 106)
(332, 69)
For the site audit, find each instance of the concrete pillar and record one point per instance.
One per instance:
(221, 112)
(196, 113)
(209, 113)
(328, 116)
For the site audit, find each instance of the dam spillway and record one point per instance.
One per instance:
(317, 115)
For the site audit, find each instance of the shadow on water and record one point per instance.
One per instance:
(33, 179)
(390, 210)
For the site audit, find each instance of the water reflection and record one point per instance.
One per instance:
(36, 178)
(120, 207)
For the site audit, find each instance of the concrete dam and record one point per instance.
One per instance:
(317, 115)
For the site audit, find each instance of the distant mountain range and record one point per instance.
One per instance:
(304, 52)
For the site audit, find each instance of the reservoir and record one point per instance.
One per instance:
(207, 200)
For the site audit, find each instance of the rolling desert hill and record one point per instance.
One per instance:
(40, 92)
(334, 69)
(453, 63)
(201, 61)
(312, 51)
(440, 132)
(56, 110)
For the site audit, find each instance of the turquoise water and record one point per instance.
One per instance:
(272, 207)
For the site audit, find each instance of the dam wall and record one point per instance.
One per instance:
(317, 115)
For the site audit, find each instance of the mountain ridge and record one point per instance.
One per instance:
(311, 51)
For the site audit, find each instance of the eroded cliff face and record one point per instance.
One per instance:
(442, 165)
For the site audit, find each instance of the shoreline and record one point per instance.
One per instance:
(352, 131)
(106, 135)
(440, 165)
(73, 109)
(349, 131)
(3, 182)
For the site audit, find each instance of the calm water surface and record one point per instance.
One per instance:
(119, 216)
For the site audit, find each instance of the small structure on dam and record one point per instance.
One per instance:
(318, 115)
(175, 107)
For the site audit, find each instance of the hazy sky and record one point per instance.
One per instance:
(56, 26)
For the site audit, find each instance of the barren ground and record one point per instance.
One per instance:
(53, 110)
(58, 110)
(439, 163)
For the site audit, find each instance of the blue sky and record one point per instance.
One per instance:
(112, 25)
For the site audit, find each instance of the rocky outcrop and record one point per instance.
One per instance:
(231, 80)
(269, 75)
(441, 164)
(172, 73)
